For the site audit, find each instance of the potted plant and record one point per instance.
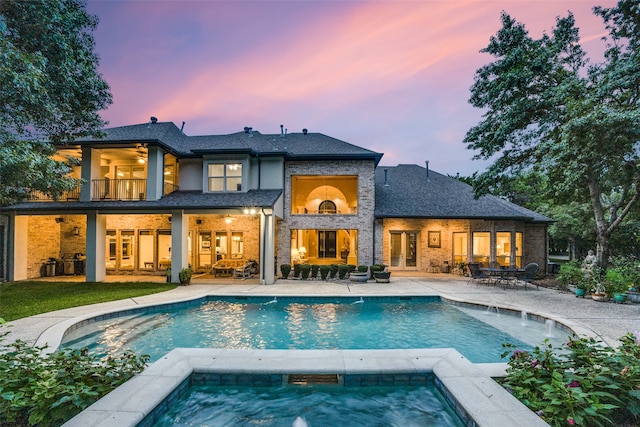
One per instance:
(382, 276)
(285, 269)
(360, 275)
(571, 275)
(633, 294)
(185, 276)
(616, 284)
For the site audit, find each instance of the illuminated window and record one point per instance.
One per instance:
(482, 247)
(327, 207)
(324, 194)
(503, 248)
(225, 176)
(459, 248)
(111, 249)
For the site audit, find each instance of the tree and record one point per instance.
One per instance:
(549, 111)
(50, 92)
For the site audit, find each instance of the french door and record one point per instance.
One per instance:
(404, 250)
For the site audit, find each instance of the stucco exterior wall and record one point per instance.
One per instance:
(190, 174)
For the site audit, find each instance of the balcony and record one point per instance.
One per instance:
(119, 189)
(39, 196)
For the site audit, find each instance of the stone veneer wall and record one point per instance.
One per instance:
(362, 221)
(534, 236)
(43, 242)
(48, 238)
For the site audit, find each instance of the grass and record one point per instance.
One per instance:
(24, 299)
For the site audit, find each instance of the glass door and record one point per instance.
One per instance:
(404, 250)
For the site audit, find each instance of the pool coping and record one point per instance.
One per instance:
(476, 397)
(52, 337)
(469, 387)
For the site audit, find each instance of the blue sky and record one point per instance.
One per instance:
(390, 76)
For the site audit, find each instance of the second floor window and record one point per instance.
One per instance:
(225, 176)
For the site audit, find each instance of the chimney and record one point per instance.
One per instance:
(281, 130)
(427, 165)
(182, 127)
(154, 119)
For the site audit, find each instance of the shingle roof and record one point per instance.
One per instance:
(175, 200)
(291, 145)
(410, 193)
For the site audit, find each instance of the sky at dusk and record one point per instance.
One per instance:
(390, 76)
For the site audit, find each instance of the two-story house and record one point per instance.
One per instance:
(153, 198)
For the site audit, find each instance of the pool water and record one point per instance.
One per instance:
(316, 405)
(289, 324)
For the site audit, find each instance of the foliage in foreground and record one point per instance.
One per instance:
(49, 389)
(582, 383)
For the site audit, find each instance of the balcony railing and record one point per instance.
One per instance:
(119, 189)
(42, 197)
(169, 188)
(305, 211)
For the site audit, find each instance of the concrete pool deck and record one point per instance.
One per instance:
(605, 321)
(469, 387)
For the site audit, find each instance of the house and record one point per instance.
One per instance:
(153, 198)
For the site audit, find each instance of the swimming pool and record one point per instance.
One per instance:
(303, 323)
(204, 405)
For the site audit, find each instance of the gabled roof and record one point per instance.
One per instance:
(409, 192)
(293, 146)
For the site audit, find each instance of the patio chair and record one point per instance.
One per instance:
(476, 274)
(434, 266)
(528, 274)
(243, 272)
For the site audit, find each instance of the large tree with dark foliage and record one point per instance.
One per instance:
(50, 92)
(549, 110)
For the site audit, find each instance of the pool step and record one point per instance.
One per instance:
(313, 379)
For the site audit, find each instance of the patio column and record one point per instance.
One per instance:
(17, 247)
(96, 246)
(90, 171)
(155, 173)
(179, 243)
(267, 242)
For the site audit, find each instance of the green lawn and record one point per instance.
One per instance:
(24, 299)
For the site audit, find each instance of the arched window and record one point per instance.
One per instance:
(327, 207)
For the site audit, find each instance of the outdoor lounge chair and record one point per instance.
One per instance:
(476, 274)
(528, 274)
(243, 272)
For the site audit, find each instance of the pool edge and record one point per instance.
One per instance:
(478, 399)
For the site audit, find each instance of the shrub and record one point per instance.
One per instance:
(581, 383)
(314, 270)
(185, 276)
(324, 271)
(343, 269)
(297, 269)
(333, 271)
(304, 270)
(375, 268)
(571, 274)
(50, 389)
(285, 269)
(363, 268)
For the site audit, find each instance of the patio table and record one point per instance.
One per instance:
(504, 276)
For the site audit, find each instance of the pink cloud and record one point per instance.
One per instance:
(390, 76)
